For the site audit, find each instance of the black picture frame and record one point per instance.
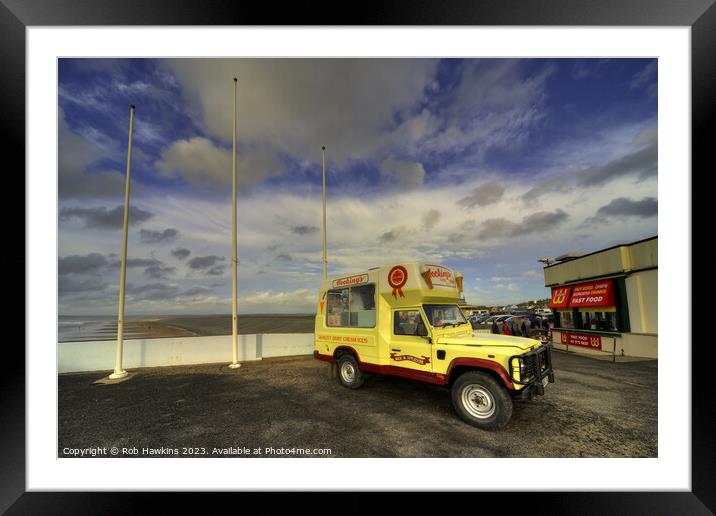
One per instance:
(700, 15)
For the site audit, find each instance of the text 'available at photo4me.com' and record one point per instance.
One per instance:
(192, 451)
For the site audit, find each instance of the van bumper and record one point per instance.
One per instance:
(538, 364)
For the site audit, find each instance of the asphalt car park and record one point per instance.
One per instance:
(595, 408)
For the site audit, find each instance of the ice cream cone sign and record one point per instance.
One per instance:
(458, 280)
(426, 276)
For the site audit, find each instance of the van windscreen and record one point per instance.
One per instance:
(444, 315)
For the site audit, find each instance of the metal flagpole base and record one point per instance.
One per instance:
(117, 375)
(234, 366)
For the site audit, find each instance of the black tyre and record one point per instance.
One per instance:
(481, 401)
(348, 372)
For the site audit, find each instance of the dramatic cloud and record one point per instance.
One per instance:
(133, 263)
(147, 236)
(196, 291)
(430, 219)
(201, 162)
(68, 285)
(304, 230)
(159, 271)
(556, 184)
(623, 207)
(495, 103)
(103, 218)
(481, 164)
(198, 160)
(76, 264)
(394, 235)
(643, 164)
(408, 175)
(487, 193)
(536, 223)
(181, 253)
(77, 153)
(349, 102)
(98, 264)
(205, 262)
(540, 222)
(152, 291)
(208, 264)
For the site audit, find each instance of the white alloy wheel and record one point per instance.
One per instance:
(348, 372)
(478, 401)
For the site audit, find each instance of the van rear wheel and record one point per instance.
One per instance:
(348, 372)
(481, 401)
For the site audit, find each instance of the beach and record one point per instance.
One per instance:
(85, 328)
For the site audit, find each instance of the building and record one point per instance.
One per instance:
(607, 301)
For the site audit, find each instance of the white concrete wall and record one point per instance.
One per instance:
(99, 355)
(284, 344)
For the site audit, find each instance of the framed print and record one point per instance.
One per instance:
(378, 306)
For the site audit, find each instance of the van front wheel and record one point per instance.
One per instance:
(348, 372)
(481, 401)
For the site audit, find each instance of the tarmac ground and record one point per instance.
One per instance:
(286, 407)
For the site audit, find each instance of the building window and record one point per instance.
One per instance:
(566, 318)
(352, 307)
(605, 320)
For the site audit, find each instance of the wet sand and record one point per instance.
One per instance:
(185, 326)
(247, 324)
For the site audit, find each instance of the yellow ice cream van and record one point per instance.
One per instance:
(404, 320)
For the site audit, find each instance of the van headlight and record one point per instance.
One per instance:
(521, 368)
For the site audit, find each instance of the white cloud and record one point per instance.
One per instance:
(408, 175)
(199, 161)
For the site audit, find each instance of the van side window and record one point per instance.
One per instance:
(362, 306)
(352, 307)
(408, 322)
(337, 307)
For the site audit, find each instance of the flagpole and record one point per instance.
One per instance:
(234, 318)
(118, 371)
(325, 260)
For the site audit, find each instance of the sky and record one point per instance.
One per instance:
(483, 165)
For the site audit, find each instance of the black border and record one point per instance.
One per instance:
(700, 15)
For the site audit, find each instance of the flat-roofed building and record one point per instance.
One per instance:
(607, 301)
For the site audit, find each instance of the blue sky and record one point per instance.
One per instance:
(484, 165)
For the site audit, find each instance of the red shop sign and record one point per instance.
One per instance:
(581, 339)
(560, 297)
(593, 293)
